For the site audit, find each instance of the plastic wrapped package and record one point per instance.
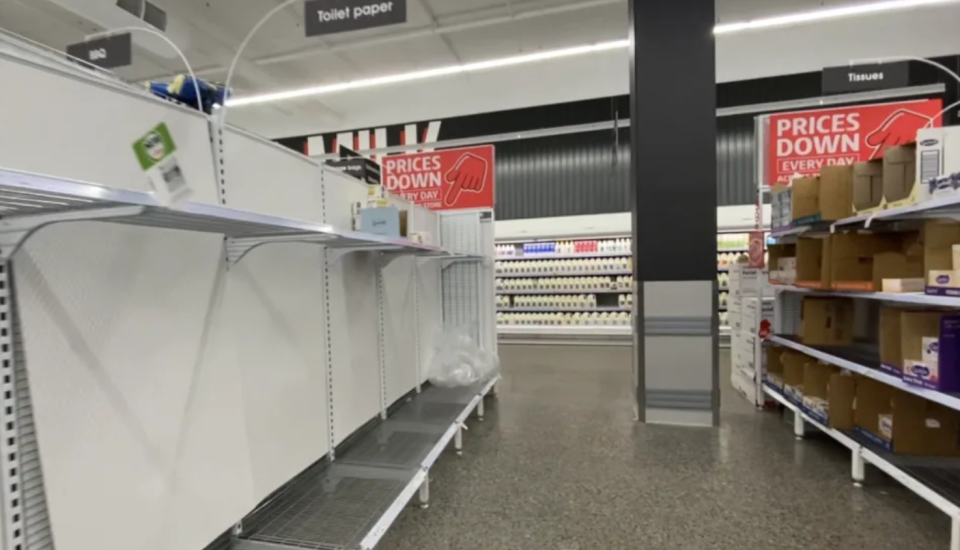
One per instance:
(459, 361)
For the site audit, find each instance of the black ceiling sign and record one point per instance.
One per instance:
(332, 16)
(107, 53)
(865, 78)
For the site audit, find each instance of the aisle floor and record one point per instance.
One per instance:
(559, 463)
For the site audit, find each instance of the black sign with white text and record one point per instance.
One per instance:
(332, 16)
(106, 53)
(864, 78)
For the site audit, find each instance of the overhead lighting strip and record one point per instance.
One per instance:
(722, 29)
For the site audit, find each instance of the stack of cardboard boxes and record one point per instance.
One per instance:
(892, 262)
(887, 416)
(749, 304)
(823, 392)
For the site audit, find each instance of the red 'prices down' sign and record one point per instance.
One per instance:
(450, 179)
(805, 141)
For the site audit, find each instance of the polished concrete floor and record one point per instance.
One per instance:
(560, 464)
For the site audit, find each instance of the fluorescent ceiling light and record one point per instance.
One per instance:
(429, 73)
(824, 14)
(725, 28)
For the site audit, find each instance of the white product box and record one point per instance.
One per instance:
(938, 158)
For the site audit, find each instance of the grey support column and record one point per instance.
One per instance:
(674, 202)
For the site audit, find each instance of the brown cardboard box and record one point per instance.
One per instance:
(914, 325)
(899, 172)
(826, 321)
(775, 366)
(905, 263)
(841, 398)
(806, 199)
(813, 262)
(836, 192)
(794, 366)
(873, 399)
(852, 259)
(891, 353)
(938, 240)
(867, 185)
(922, 427)
(816, 380)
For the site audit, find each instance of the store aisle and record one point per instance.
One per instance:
(560, 464)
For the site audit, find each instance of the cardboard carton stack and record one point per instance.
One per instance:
(813, 262)
(826, 393)
(826, 321)
(941, 257)
(905, 423)
(827, 197)
(867, 186)
(749, 303)
(852, 255)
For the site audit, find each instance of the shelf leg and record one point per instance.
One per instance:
(458, 441)
(425, 492)
(480, 410)
(857, 467)
(798, 427)
(955, 533)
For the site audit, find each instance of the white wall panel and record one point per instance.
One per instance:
(341, 190)
(400, 331)
(264, 177)
(71, 127)
(128, 406)
(354, 330)
(275, 310)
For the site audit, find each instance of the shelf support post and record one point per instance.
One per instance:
(425, 491)
(955, 533)
(857, 466)
(480, 409)
(458, 440)
(798, 425)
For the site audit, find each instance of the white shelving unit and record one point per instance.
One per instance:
(934, 479)
(171, 368)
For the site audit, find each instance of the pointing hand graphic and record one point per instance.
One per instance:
(468, 174)
(899, 128)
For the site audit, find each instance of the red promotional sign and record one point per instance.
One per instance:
(805, 141)
(451, 179)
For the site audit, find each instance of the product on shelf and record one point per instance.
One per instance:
(564, 319)
(569, 248)
(733, 241)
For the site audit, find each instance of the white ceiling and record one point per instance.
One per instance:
(279, 56)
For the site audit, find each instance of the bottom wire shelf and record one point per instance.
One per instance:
(941, 475)
(348, 504)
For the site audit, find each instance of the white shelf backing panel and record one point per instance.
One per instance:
(267, 178)
(429, 313)
(399, 330)
(461, 282)
(135, 397)
(354, 331)
(341, 191)
(274, 321)
(82, 128)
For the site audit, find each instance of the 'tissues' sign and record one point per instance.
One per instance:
(332, 16)
(863, 78)
(801, 143)
(451, 179)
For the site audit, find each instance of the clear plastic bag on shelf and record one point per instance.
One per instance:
(459, 361)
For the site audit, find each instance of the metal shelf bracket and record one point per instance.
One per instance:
(14, 231)
(237, 248)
